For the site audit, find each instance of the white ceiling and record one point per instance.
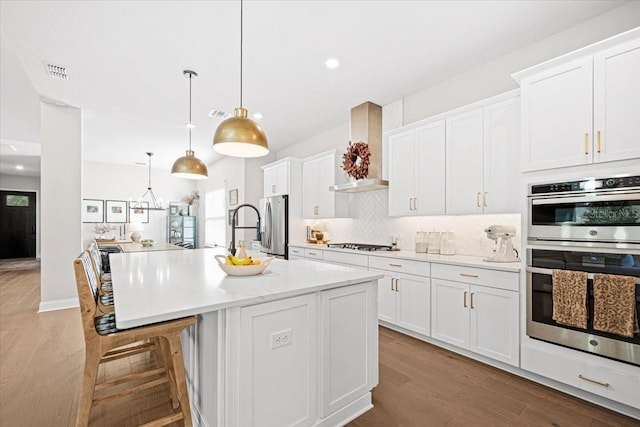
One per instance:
(126, 60)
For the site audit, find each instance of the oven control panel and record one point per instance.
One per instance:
(587, 185)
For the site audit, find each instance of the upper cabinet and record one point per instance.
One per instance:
(319, 173)
(416, 170)
(582, 110)
(278, 176)
(482, 152)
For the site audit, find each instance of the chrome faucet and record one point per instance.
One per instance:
(232, 245)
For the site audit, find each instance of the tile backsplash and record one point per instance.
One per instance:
(369, 223)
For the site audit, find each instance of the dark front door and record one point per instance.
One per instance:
(17, 224)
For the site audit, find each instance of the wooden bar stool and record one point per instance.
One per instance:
(103, 343)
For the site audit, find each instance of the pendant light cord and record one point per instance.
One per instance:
(241, 39)
(190, 123)
(149, 154)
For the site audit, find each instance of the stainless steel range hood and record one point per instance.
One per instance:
(366, 126)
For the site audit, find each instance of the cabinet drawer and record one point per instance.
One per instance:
(420, 268)
(295, 251)
(595, 378)
(346, 258)
(478, 276)
(313, 253)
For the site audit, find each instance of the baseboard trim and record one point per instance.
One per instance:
(59, 304)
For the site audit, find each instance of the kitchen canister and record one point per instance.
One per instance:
(433, 242)
(421, 242)
(448, 243)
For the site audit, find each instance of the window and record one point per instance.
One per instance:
(16, 200)
(215, 218)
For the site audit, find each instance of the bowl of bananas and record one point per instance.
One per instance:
(234, 266)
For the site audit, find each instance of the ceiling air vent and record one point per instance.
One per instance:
(217, 114)
(57, 72)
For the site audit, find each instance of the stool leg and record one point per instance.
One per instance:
(91, 363)
(175, 347)
(164, 356)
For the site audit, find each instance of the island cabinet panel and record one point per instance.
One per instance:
(277, 363)
(348, 337)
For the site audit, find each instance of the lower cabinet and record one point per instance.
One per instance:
(404, 300)
(477, 317)
(302, 361)
(620, 383)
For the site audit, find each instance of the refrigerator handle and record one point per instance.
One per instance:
(268, 220)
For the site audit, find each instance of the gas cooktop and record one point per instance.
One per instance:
(361, 246)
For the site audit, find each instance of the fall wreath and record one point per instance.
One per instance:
(355, 162)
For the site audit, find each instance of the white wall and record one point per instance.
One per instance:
(61, 184)
(25, 183)
(105, 181)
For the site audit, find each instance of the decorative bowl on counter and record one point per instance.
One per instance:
(147, 242)
(243, 270)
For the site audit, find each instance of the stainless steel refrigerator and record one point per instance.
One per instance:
(274, 233)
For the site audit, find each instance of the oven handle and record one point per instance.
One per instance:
(586, 198)
(548, 271)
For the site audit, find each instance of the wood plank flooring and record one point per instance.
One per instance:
(41, 361)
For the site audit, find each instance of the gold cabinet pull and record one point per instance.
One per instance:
(468, 275)
(478, 199)
(472, 300)
(485, 198)
(395, 265)
(410, 208)
(313, 253)
(392, 289)
(593, 381)
(586, 143)
(465, 299)
(598, 141)
(397, 289)
(415, 203)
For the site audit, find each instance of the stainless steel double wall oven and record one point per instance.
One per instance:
(591, 225)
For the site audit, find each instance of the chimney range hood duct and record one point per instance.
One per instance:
(366, 126)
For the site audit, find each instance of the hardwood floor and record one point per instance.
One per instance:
(41, 360)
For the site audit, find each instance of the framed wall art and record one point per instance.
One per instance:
(116, 211)
(140, 213)
(233, 197)
(92, 210)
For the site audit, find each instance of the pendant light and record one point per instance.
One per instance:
(239, 136)
(153, 204)
(189, 166)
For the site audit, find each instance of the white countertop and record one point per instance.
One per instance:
(152, 287)
(464, 260)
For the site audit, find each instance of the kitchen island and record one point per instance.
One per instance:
(296, 345)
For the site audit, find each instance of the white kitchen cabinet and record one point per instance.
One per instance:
(582, 111)
(348, 336)
(417, 170)
(319, 173)
(613, 380)
(404, 299)
(476, 309)
(278, 347)
(482, 152)
(278, 176)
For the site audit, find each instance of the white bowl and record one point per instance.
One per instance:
(243, 270)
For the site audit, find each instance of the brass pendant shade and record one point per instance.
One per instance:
(189, 166)
(239, 136)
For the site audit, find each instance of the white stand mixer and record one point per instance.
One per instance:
(505, 251)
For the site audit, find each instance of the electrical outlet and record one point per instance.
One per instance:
(282, 338)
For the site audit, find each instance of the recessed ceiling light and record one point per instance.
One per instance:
(19, 167)
(190, 125)
(332, 63)
(257, 116)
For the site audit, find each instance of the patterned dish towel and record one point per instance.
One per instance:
(570, 298)
(615, 304)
